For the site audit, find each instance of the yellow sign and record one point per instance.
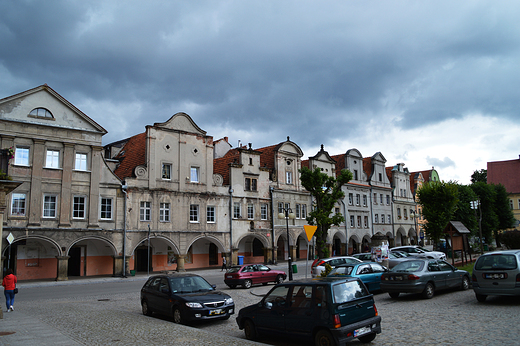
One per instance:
(309, 230)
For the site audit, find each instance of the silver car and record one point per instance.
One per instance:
(319, 265)
(419, 251)
(497, 274)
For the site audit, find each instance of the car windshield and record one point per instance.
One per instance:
(344, 270)
(234, 269)
(409, 266)
(347, 291)
(189, 284)
(496, 262)
(423, 249)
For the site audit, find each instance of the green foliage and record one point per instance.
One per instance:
(511, 239)
(506, 218)
(464, 213)
(479, 176)
(326, 192)
(487, 196)
(439, 203)
(327, 270)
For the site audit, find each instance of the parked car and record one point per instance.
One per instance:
(394, 257)
(420, 251)
(331, 311)
(319, 264)
(252, 274)
(423, 276)
(185, 297)
(365, 257)
(497, 274)
(369, 272)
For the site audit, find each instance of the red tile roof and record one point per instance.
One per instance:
(340, 162)
(505, 173)
(132, 155)
(367, 166)
(221, 165)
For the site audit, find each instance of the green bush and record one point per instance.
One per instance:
(327, 270)
(511, 239)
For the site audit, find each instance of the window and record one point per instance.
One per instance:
(358, 199)
(18, 204)
(359, 221)
(42, 113)
(164, 212)
(380, 177)
(511, 203)
(351, 220)
(194, 174)
(49, 205)
(264, 211)
(297, 211)
(194, 213)
(398, 213)
(350, 199)
(355, 174)
(366, 221)
(53, 159)
(288, 177)
(166, 171)
(250, 184)
(236, 210)
(375, 198)
(365, 200)
(382, 218)
(81, 162)
(78, 207)
(250, 211)
(145, 211)
(336, 210)
(304, 211)
(405, 214)
(376, 218)
(210, 214)
(21, 156)
(106, 208)
(381, 198)
(280, 208)
(387, 199)
(389, 219)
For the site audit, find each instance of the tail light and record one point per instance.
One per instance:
(337, 321)
(474, 278)
(517, 277)
(375, 310)
(319, 263)
(413, 277)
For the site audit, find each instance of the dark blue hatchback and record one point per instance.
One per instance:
(332, 311)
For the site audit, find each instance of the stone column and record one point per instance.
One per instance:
(234, 256)
(268, 255)
(118, 266)
(63, 267)
(180, 263)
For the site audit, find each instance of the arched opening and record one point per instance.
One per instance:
(203, 253)
(90, 257)
(280, 251)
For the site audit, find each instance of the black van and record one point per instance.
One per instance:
(333, 311)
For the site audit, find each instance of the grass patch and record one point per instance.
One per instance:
(468, 267)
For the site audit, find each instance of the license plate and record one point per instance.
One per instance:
(216, 312)
(362, 331)
(495, 276)
(230, 277)
(396, 278)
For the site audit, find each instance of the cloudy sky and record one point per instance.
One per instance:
(427, 83)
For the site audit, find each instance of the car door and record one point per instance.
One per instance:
(299, 318)
(270, 317)
(377, 272)
(439, 277)
(453, 279)
(248, 273)
(364, 272)
(265, 273)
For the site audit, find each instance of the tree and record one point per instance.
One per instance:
(326, 191)
(464, 213)
(439, 203)
(506, 218)
(487, 196)
(479, 176)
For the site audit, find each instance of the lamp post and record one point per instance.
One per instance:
(288, 214)
(476, 205)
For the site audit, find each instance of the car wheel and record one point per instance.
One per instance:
(481, 297)
(279, 279)
(429, 291)
(247, 284)
(250, 330)
(324, 338)
(367, 338)
(232, 286)
(146, 309)
(177, 316)
(465, 283)
(394, 295)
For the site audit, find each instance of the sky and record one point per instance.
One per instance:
(426, 83)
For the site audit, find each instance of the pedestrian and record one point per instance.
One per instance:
(224, 263)
(9, 284)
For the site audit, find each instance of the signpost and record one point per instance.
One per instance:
(309, 231)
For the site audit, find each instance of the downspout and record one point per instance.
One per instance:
(273, 258)
(124, 187)
(371, 211)
(231, 224)
(393, 220)
(346, 224)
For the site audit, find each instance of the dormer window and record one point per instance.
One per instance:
(41, 113)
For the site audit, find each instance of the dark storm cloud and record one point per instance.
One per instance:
(316, 71)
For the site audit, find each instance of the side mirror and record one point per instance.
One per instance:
(214, 286)
(268, 305)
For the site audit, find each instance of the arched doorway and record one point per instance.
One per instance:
(280, 251)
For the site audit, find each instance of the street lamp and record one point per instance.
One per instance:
(476, 205)
(288, 214)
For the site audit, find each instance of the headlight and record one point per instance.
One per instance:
(193, 305)
(229, 301)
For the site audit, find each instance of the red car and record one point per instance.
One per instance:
(252, 274)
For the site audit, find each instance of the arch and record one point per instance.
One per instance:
(253, 247)
(340, 234)
(87, 257)
(161, 255)
(261, 237)
(33, 257)
(209, 237)
(114, 249)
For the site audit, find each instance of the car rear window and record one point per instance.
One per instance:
(409, 266)
(496, 262)
(344, 270)
(234, 269)
(347, 291)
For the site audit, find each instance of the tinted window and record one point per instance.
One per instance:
(301, 297)
(342, 270)
(364, 269)
(277, 296)
(233, 270)
(348, 291)
(263, 268)
(496, 262)
(377, 268)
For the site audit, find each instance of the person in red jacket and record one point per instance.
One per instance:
(9, 284)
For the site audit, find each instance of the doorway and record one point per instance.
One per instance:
(74, 262)
(213, 254)
(143, 259)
